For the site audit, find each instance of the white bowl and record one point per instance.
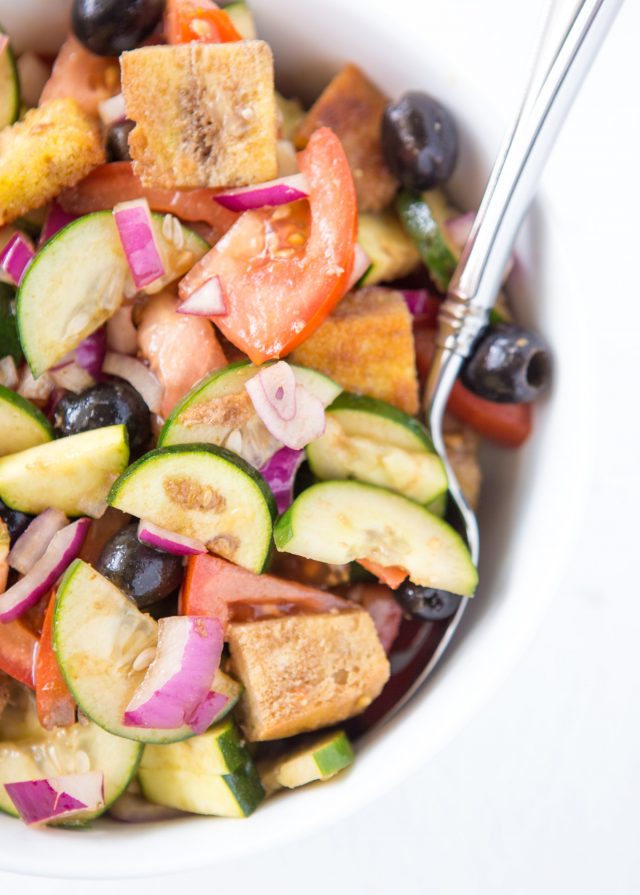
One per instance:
(523, 491)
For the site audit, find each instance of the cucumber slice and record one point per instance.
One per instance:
(424, 217)
(29, 752)
(374, 442)
(337, 522)
(205, 792)
(218, 410)
(321, 760)
(9, 87)
(72, 474)
(204, 492)
(392, 253)
(98, 635)
(218, 751)
(243, 20)
(22, 425)
(9, 341)
(78, 280)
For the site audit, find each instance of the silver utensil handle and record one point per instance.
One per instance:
(476, 281)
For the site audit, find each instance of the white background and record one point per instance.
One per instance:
(540, 792)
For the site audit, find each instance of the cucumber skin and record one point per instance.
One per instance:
(9, 340)
(349, 401)
(340, 748)
(420, 225)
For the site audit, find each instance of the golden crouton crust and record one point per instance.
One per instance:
(353, 107)
(53, 147)
(303, 672)
(205, 114)
(367, 346)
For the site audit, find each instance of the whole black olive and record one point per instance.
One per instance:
(15, 521)
(145, 574)
(108, 27)
(419, 141)
(106, 404)
(510, 365)
(427, 603)
(118, 141)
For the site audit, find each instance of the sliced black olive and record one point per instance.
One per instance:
(427, 603)
(118, 141)
(106, 404)
(510, 365)
(419, 141)
(108, 27)
(144, 574)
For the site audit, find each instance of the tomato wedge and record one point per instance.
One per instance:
(54, 703)
(89, 79)
(215, 587)
(116, 182)
(392, 576)
(18, 646)
(282, 270)
(198, 20)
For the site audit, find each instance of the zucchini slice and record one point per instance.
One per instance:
(242, 19)
(338, 522)
(98, 634)
(391, 251)
(423, 218)
(79, 278)
(9, 86)
(217, 751)
(321, 760)
(9, 341)
(22, 425)
(204, 492)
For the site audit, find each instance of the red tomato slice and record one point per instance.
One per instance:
(392, 576)
(115, 182)
(215, 587)
(18, 646)
(78, 73)
(180, 349)
(54, 702)
(282, 272)
(198, 20)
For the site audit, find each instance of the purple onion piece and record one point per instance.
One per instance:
(271, 193)
(33, 542)
(54, 798)
(56, 220)
(91, 352)
(280, 473)
(169, 541)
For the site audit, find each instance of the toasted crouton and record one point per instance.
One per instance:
(205, 114)
(53, 147)
(353, 107)
(303, 672)
(367, 346)
(462, 451)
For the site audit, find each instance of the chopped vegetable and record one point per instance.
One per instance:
(169, 541)
(133, 220)
(57, 798)
(392, 576)
(291, 413)
(207, 301)
(32, 543)
(22, 425)
(55, 704)
(272, 193)
(280, 472)
(137, 375)
(321, 760)
(198, 20)
(18, 650)
(87, 78)
(15, 257)
(380, 603)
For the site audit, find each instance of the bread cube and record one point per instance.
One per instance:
(205, 114)
(53, 147)
(367, 346)
(303, 672)
(352, 106)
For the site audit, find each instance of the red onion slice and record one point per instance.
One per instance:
(122, 336)
(361, 264)
(308, 421)
(33, 542)
(133, 220)
(277, 383)
(206, 301)
(272, 192)
(169, 541)
(90, 353)
(112, 110)
(280, 473)
(56, 220)
(71, 377)
(206, 713)
(63, 549)
(139, 376)
(16, 256)
(422, 305)
(180, 677)
(55, 798)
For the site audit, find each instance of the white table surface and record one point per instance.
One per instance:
(539, 793)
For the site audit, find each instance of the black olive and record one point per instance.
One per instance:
(15, 521)
(510, 365)
(419, 141)
(144, 574)
(427, 603)
(108, 27)
(106, 404)
(118, 141)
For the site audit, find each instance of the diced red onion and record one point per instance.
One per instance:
(56, 220)
(423, 305)
(33, 74)
(271, 193)
(122, 336)
(180, 676)
(280, 473)
(139, 376)
(308, 421)
(35, 389)
(206, 301)
(55, 798)
(133, 808)
(71, 377)
(8, 372)
(33, 542)
(206, 713)
(26, 592)
(90, 353)
(278, 384)
(169, 541)
(16, 256)
(112, 110)
(361, 264)
(133, 220)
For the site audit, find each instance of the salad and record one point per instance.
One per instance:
(223, 527)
